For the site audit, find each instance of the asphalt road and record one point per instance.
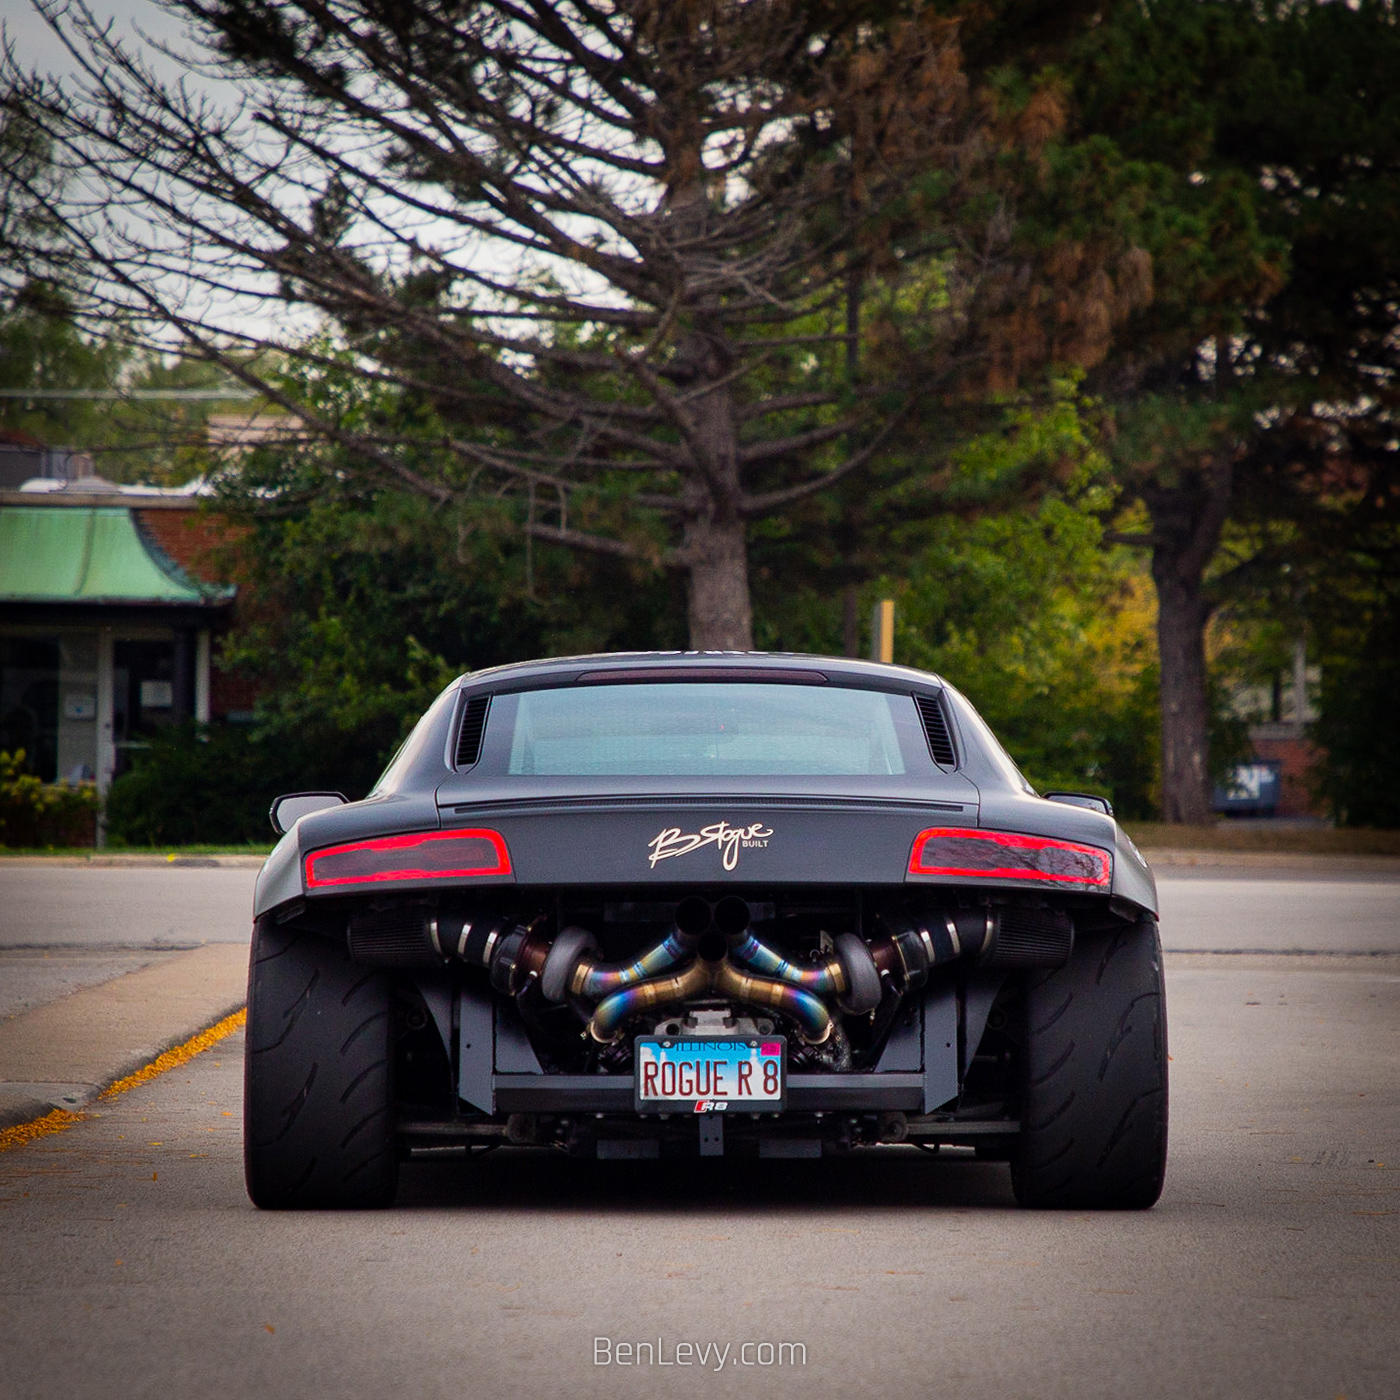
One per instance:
(48, 905)
(1244, 913)
(131, 1264)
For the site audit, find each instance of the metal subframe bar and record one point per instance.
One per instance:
(711, 1134)
(947, 1132)
(613, 1093)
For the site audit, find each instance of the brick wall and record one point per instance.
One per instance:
(193, 538)
(1297, 757)
(196, 540)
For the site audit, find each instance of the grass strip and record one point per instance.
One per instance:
(1286, 840)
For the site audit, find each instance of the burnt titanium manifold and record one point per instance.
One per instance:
(698, 955)
(712, 948)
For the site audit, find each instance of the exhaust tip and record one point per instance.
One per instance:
(711, 947)
(732, 916)
(693, 916)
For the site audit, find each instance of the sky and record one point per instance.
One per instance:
(38, 47)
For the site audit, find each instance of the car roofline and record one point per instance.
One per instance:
(622, 661)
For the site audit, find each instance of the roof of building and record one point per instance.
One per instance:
(98, 554)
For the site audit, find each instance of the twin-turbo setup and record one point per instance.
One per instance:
(711, 949)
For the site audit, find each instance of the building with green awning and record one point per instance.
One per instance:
(62, 554)
(105, 635)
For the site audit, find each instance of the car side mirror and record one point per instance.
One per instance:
(288, 809)
(1082, 799)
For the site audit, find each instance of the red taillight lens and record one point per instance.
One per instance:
(422, 855)
(1006, 855)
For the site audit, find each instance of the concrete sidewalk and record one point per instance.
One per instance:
(63, 1054)
(1274, 864)
(132, 860)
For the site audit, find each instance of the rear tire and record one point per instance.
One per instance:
(318, 1122)
(1094, 1133)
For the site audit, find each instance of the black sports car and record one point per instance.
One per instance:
(642, 905)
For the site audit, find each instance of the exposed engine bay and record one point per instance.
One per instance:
(570, 983)
(809, 967)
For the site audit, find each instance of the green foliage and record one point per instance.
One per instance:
(41, 347)
(1357, 625)
(43, 814)
(50, 341)
(1361, 780)
(1049, 636)
(359, 603)
(213, 785)
(1024, 449)
(1048, 632)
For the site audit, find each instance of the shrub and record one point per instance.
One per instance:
(214, 784)
(1360, 776)
(34, 813)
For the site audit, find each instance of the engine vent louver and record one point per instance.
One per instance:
(1030, 938)
(469, 736)
(940, 741)
(394, 937)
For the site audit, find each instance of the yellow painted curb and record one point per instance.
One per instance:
(181, 1054)
(60, 1119)
(22, 1133)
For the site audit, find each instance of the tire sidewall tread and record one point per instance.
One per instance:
(1094, 1109)
(318, 1076)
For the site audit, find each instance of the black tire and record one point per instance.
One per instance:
(1094, 1133)
(318, 1121)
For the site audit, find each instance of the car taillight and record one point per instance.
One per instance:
(1005, 855)
(423, 855)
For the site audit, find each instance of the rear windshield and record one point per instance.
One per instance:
(727, 729)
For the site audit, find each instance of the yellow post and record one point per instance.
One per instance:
(882, 631)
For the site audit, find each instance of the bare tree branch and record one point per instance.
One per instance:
(584, 246)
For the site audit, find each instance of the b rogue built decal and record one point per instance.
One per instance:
(729, 839)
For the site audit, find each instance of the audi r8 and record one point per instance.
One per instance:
(731, 905)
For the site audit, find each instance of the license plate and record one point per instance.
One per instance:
(710, 1076)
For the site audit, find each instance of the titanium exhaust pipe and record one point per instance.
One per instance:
(631, 988)
(849, 973)
(572, 968)
(606, 1024)
(807, 1009)
(802, 1006)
